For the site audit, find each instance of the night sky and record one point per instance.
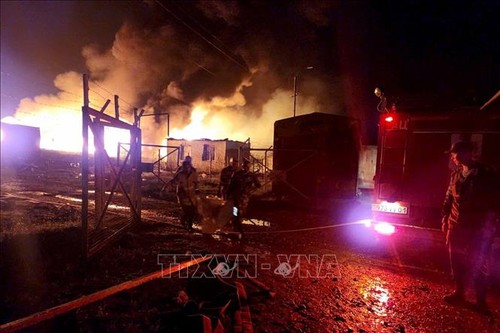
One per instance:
(427, 55)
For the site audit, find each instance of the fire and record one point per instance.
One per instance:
(60, 123)
(112, 137)
(69, 138)
(200, 127)
(195, 129)
(62, 131)
(10, 120)
(61, 127)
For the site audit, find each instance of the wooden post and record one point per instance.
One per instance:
(85, 164)
(159, 162)
(136, 118)
(168, 125)
(265, 167)
(139, 172)
(98, 131)
(135, 146)
(118, 150)
(105, 105)
(117, 109)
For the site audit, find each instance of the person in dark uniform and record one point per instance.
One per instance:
(188, 159)
(186, 180)
(470, 219)
(240, 187)
(225, 178)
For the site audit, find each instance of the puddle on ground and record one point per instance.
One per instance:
(377, 296)
(68, 198)
(258, 223)
(110, 206)
(217, 237)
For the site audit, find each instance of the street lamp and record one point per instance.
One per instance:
(295, 89)
(382, 105)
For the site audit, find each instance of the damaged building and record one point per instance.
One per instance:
(209, 156)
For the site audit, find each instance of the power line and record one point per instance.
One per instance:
(199, 24)
(98, 94)
(229, 56)
(111, 94)
(203, 67)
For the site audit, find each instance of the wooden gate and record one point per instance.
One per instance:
(111, 192)
(154, 167)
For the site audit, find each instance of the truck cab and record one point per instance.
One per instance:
(413, 168)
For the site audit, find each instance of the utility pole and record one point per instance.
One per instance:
(295, 89)
(294, 94)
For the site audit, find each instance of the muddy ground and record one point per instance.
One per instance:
(323, 272)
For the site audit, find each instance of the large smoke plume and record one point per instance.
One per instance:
(234, 69)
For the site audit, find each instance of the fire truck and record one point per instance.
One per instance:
(413, 168)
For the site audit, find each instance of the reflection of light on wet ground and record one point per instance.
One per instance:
(119, 207)
(111, 206)
(376, 296)
(259, 223)
(38, 193)
(216, 237)
(68, 198)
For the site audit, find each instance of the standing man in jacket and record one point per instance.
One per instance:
(470, 218)
(186, 180)
(225, 178)
(241, 185)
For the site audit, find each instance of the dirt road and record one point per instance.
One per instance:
(326, 273)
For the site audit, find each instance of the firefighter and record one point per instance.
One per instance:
(186, 180)
(225, 178)
(188, 159)
(470, 217)
(240, 188)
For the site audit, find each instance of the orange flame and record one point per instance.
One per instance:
(207, 124)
